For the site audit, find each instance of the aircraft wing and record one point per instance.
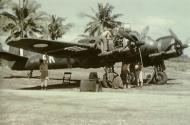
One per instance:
(11, 57)
(53, 48)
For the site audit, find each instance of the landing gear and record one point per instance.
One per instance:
(29, 74)
(128, 79)
(159, 76)
(109, 77)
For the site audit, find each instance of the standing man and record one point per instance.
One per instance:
(125, 70)
(107, 40)
(139, 74)
(44, 72)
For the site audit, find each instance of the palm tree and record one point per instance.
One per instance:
(4, 4)
(56, 28)
(24, 20)
(102, 19)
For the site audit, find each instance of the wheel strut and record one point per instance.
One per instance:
(29, 74)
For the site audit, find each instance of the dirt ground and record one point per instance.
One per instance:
(23, 103)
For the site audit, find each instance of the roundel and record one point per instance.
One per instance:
(40, 45)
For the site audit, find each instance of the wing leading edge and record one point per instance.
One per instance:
(51, 47)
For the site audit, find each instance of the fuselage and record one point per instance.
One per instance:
(94, 61)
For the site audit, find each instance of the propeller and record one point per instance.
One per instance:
(187, 42)
(135, 37)
(178, 44)
(174, 35)
(144, 33)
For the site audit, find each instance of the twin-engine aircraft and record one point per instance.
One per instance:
(67, 54)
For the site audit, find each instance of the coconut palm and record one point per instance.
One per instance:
(102, 19)
(4, 4)
(24, 20)
(56, 28)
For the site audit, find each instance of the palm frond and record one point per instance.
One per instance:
(9, 16)
(103, 18)
(4, 4)
(26, 18)
(56, 28)
(89, 16)
(115, 16)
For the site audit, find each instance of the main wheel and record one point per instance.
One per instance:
(131, 78)
(161, 78)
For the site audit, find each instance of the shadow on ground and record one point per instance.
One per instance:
(73, 84)
(34, 77)
(14, 76)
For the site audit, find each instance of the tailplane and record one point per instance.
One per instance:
(16, 62)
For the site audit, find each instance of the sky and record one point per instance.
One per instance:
(159, 15)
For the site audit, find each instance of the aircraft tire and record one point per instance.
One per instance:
(131, 78)
(161, 78)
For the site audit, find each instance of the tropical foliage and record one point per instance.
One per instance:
(56, 28)
(24, 19)
(103, 18)
(4, 4)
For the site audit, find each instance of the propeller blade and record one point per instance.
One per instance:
(144, 32)
(185, 46)
(187, 41)
(127, 35)
(136, 38)
(178, 40)
(173, 34)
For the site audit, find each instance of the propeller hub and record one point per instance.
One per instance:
(179, 47)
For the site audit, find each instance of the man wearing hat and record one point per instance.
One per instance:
(44, 72)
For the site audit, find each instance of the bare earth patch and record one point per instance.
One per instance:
(23, 103)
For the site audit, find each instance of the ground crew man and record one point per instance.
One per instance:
(139, 74)
(44, 73)
(106, 40)
(125, 70)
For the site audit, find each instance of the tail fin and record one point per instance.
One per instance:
(16, 62)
